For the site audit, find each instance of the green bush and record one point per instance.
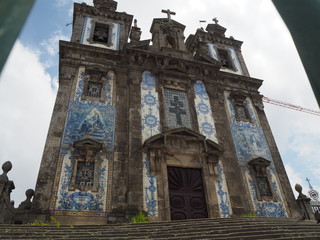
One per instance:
(140, 218)
(250, 214)
(53, 221)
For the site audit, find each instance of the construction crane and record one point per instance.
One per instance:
(289, 105)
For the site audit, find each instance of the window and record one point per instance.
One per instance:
(101, 33)
(225, 58)
(86, 165)
(258, 170)
(85, 173)
(263, 187)
(94, 89)
(241, 112)
(170, 42)
(94, 85)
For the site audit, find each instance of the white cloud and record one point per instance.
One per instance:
(26, 103)
(294, 178)
(51, 45)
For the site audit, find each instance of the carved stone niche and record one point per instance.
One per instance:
(86, 165)
(258, 170)
(182, 147)
(241, 110)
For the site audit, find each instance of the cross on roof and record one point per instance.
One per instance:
(169, 13)
(308, 180)
(215, 20)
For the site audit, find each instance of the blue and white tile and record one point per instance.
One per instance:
(78, 201)
(150, 126)
(250, 143)
(266, 208)
(222, 194)
(150, 118)
(86, 119)
(204, 112)
(150, 197)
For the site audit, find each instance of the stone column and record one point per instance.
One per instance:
(135, 178)
(120, 161)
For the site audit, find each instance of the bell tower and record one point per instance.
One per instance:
(168, 34)
(75, 180)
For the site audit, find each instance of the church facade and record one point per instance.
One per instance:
(170, 126)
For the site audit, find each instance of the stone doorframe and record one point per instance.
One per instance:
(182, 147)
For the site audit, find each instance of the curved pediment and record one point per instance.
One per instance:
(183, 139)
(260, 161)
(88, 143)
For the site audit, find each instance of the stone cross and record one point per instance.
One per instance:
(169, 13)
(215, 20)
(177, 109)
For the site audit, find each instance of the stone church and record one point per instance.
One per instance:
(172, 126)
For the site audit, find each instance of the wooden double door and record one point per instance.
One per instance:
(186, 192)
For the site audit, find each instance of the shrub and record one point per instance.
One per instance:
(140, 217)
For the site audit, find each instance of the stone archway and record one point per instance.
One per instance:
(183, 148)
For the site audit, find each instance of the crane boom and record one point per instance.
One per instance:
(289, 105)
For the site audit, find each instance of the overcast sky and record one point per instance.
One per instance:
(28, 83)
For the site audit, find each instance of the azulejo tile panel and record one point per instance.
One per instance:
(86, 119)
(87, 34)
(176, 108)
(150, 203)
(149, 106)
(204, 113)
(222, 193)
(250, 143)
(266, 208)
(150, 120)
(207, 128)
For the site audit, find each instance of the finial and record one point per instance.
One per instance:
(215, 20)
(6, 167)
(135, 23)
(169, 13)
(298, 188)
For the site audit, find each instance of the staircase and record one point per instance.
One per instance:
(217, 228)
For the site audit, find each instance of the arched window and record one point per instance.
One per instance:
(258, 169)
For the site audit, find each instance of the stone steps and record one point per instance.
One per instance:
(217, 228)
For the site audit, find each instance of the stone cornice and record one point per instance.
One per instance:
(204, 37)
(240, 82)
(83, 9)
